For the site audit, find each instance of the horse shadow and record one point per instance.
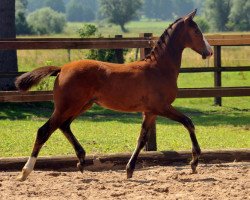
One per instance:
(42, 111)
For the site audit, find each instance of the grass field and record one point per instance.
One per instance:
(101, 131)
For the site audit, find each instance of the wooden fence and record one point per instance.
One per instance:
(145, 43)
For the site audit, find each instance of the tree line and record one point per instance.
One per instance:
(50, 16)
(228, 15)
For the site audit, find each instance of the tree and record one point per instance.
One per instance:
(148, 9)
(73, 11)
(46, 20)
(119, 11)
(239, 18)
(22, 26)
(57, 5)
(158, 9)
(217, 12)
(164, 9)
(34, 5)
(169, 9)
(78, 11)
(183, 7)
(8, 58)
(107, 55)
(202, 23)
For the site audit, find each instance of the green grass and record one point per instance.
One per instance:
(104, 131)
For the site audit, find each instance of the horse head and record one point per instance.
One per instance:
(194, 37)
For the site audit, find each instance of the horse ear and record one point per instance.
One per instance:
(190, 15)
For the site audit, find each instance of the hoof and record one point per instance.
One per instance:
(23, 176)
(194, 171)
(80, 167)
(129, 173)
(193, 167)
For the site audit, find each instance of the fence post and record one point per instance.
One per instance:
(119, 52)
(146, 51)
(217, 73)
(151, 145)
(69, 55)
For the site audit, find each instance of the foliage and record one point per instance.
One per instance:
(78, 11)
(168, 9)
(21, 5)
(46, 20)
(119, 11)
(22, 26)
(158, 9)
(222, 15)
(87, 30)
(202, 23)
(217, 12)
(239, 18)
(183, 7)
(108, 55)
(34, 5)
(228, 15)
(57, 5)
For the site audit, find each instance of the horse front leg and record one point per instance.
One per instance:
(148, 121)
(175, 115)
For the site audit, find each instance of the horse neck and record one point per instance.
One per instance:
(167, 53)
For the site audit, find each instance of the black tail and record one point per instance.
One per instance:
(29, 79)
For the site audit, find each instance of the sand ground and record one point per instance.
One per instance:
(213, 181)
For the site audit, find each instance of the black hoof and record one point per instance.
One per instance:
(194, 166)
(80, 167)
(129, 172)
(194, 171)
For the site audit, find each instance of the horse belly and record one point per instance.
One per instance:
(125, 104)
(123, 98)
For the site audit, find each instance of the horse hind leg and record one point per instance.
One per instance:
(43, 135)
(65, 128)
(80, 152)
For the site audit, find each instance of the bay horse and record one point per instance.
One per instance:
(148, 86)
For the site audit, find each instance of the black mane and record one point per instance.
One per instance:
(163, 39)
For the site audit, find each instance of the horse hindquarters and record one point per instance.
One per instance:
(67, 108)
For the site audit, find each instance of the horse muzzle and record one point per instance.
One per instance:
(206, 54)
(207, 51)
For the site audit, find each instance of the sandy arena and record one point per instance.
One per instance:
(213, 181)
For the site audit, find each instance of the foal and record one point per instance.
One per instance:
(148, 86)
